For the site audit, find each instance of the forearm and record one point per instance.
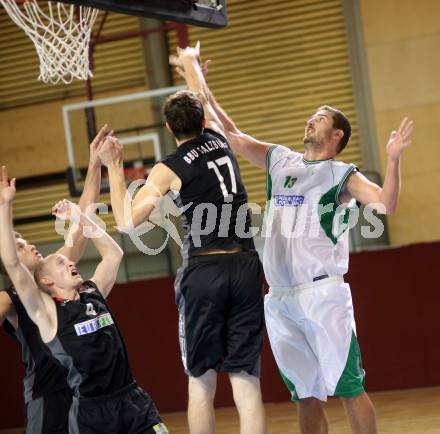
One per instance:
(75, 248)
(20, 276)
(8, 251)
(227, 122)
(118, 194)
(391, 187)
(104, 243)
(194, 77)
(92, 186)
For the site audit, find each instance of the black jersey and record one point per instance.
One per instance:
(88, 343)
(212, 197)
(43, 374)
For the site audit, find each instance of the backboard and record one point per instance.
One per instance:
(137, 121)
(205, 13)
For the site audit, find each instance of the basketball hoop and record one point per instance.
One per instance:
(61, 37)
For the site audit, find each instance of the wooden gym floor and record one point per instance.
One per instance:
(412, 411)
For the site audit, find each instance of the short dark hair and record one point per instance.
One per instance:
(2, 266)
(340, 122)
(184, 113)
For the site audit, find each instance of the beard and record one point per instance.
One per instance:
(312, 141)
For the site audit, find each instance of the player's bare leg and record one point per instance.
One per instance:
(247, 396)
(312, 417)
(201, 391)
(361, 414)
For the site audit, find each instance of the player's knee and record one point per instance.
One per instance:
(355, 400)
(245, 387)
(203, 387)
(309, 404)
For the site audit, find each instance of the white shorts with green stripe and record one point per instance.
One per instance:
(312, 333)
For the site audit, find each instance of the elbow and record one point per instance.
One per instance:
(114, 256)
(117, 253)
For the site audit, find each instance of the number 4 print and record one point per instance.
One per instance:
(221, 162)
(90, 311)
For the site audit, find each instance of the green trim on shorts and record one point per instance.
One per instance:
(290, 386)
(352, 379)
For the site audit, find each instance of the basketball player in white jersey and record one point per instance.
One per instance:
(309, 312)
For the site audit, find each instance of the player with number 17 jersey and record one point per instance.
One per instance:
(219, 286)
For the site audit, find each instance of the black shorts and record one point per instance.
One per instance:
(128, 411)
(221, 319)
(49, 414)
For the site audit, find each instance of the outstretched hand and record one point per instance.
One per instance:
(111, 151)
(400, 139)
(7, 189)
(192, 52)
(66, 210)
(95, 145)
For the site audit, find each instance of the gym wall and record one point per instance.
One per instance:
(402, 39)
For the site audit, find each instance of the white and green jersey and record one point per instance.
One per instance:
(305, 226)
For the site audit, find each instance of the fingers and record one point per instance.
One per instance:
(406, 127)
(101, 134)
(393, 135)
(181, 72)
(174, 60)
(4, 174)
(13, 183)
(402, 124)
(205, 65)
(60, 205)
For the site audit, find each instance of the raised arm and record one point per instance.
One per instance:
(130, 213)
(188, 64)
(34, 301)
(111, 254)
(367, 192)
(90, 195)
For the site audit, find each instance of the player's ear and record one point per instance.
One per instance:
(168, 127)
(338, 134)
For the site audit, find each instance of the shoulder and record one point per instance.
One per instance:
(213, 133)
(9, 299)
(278, 153)
(343, 169)
(90, 289)
(7, 306)
(6, 295)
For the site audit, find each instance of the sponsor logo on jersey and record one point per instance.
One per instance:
(290, 181)
(285, 200)
(94, 324)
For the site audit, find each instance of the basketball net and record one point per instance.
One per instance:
(61, 37)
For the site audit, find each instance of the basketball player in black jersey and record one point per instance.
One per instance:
(79, 330)
(219, 286)
(46, 393)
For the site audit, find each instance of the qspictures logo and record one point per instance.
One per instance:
(294, 219)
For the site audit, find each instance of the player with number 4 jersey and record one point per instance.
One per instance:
(219, 286)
